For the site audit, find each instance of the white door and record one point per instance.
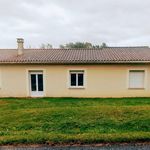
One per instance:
(36, 84)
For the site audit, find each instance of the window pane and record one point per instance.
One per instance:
(136, 79)
(80, 79)
(33, 82)
(73, 79)
(40, 82)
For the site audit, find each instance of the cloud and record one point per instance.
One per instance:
(116, 22)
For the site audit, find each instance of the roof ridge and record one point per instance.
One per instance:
(128, 47)
(77, 48)
(93, 48)
(87, 48)
(8, 48)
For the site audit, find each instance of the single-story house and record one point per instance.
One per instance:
(105, 72)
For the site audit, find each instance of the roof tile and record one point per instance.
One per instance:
(72, 56)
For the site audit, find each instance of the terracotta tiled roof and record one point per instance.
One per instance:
(77, 56)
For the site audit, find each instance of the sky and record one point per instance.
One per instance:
(115, 22)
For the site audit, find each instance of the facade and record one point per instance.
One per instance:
(110, 72)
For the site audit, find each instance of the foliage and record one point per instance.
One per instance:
(82, 45)
(75, 45)
(46, 46)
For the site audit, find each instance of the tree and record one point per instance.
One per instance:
(46, 46)
(104, 45)
(82, 45)
(61, 46)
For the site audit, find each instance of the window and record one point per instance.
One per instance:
(136, 78)
(36, 83)
(76, 78)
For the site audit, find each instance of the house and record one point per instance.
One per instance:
(106, 72)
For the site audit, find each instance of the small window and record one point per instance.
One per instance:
(76, 78)
(136, 78)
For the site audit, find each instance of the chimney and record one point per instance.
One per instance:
(20, 42)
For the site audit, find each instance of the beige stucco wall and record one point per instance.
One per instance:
(101, 81)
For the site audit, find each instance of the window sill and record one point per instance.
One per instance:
(136, 88)
(76, 87)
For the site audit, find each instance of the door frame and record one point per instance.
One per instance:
(28, 87)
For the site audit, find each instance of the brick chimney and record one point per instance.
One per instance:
(20, 43)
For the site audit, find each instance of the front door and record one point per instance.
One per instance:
(36, 84)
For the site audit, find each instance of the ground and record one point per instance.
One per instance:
(72, 120)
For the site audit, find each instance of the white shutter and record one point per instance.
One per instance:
(136, 79)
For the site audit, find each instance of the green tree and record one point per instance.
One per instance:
(104, 45)
(82, 45)
(46, 46)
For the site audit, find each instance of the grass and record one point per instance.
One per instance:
(71, 120)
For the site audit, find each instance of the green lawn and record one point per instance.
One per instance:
(70, 120)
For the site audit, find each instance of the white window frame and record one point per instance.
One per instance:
(35, 73)
(145, 79)
(28, 70)
(76, 71)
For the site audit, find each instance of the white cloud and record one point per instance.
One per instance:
(116, 22)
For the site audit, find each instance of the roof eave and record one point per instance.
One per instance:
(75, 63)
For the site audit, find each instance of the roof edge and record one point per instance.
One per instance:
(77, 48)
